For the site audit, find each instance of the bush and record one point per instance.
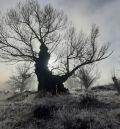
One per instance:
(116, 84)
(89, 100)
(44, 112)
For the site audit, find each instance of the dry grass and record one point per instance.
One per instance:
(66, 112)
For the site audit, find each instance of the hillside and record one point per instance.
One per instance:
(29, 110)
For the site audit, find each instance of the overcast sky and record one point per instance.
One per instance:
(84, 13)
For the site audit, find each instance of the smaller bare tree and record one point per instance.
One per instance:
(87, 76)
(116, 83)
(19, 80)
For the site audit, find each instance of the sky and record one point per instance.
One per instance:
(84, 13)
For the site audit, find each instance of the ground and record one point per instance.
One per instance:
(99, 109)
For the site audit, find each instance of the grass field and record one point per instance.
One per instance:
(97, 110)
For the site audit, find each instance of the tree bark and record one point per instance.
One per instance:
(46, 81)
(41, 68)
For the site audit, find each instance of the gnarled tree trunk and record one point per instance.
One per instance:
(46, 81)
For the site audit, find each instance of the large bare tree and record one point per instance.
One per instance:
(29, 26)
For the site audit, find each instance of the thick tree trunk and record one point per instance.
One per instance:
(46, 81)
(41, 68)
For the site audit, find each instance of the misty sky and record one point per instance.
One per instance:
(84, 13)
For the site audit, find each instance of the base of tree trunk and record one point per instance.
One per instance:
(61, 89)
(53, 89)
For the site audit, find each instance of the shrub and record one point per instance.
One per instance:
(89, 100)
(44, 112)
(116, 84)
